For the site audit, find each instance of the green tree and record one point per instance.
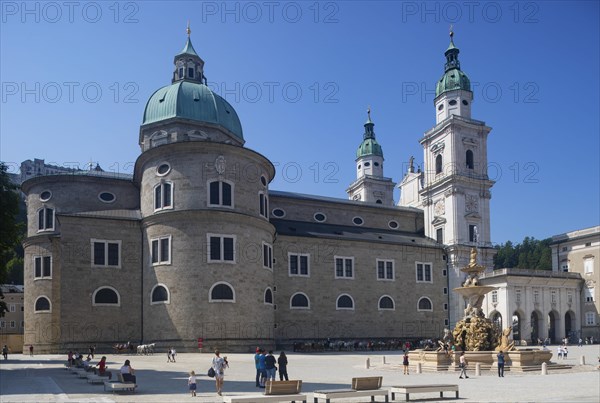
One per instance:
(529, 254)
(11, 230)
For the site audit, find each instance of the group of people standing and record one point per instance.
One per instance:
(266, 368)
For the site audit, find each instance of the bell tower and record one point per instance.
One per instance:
(455, 193)
(370, 185)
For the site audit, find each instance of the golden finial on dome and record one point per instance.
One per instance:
(369, 112)
(188, 30)
(451, 31)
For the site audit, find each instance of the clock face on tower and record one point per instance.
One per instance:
(471, 203)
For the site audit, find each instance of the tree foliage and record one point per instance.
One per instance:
(530, 254)
(11, 233)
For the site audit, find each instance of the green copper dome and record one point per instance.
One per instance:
(192, 101)
(369, 145)
(454, 78)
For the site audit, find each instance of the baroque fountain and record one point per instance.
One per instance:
(477, 336)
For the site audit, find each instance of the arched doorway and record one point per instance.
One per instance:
(552, 319)
(496, 318)
(516, 328)
(535, 329)
(570, 330)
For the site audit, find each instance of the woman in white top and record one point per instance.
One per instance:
(128, 372)
(219, 364)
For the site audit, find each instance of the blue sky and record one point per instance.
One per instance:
(75, 79)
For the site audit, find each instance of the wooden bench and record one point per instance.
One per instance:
(409, 389)
(120, 384)
(275, 391)
(362, 386)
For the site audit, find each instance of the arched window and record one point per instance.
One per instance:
(160, 295)
(345, 301)
(386, 303)
(42, 304)
(220, 194)
(438, 164)
(163, 196)
(268, 296)
(469, 158)
(222, 292)
(299, 301)
(424, 304)
(106, 296)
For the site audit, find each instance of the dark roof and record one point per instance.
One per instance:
(347, 233)
(118, 214)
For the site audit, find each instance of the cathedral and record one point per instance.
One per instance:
(195, 249)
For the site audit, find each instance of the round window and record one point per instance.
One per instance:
(263, 180)
(320, 217)
(393, 224)
(107, 197)
(465, 102)
(357, 221)
(358, 166)
(278, 212)
(367, 164)
(163, 169)
(452, 103)
(45, 195)
(376, 164)
(440, 107)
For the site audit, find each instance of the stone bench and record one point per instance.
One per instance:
(361, 386)
(120, 385)
(275, 391)
(410, 389)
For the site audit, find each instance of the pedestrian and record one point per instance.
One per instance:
(405, 363)
(262, 368)
(282, 362)
(173, 353)
(580, 343)
(270, 366)
(128, 372)
(169, 355)
(31, 350)
(256, 359)
(463, 366)
(559, 352)
(5, 352)
(219, 364)
(500, 364)
(70, 359)
(192, 383)
(565, 352)
(91, 351)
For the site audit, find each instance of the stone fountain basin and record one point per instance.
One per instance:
(475, 290)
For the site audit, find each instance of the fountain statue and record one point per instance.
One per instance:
(474, 332)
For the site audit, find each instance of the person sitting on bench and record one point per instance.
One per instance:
(128, 372)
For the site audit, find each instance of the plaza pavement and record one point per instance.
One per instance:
(42, 378)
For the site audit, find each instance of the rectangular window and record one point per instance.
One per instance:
(263, 205)
(553, 296)
(588, 266)
(12, 307)
(517, 296)
(589, 294)
(385, 270)
(536, 296)
(2, 324)
(494, 296)
(298, 264)
(445, 307)
(423, 272)
(163, 196)
(46, 219)
(344, 267)
(267, 256)
(221, 248)
(445, 291)
(13, 324)
(190, 72)
(161, 250)
(569, 297)
(590, 318)
(42, 267)
(106, 253)
(472, 236)
(439, 235)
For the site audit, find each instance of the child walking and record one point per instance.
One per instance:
(192, 383)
